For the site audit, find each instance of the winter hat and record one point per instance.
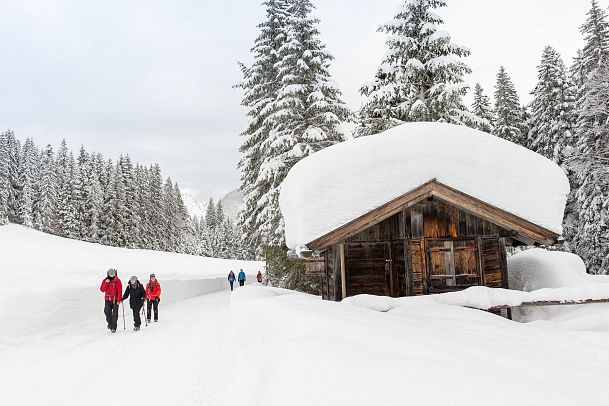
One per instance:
(112, 272)
(152, 276)
(133, 278)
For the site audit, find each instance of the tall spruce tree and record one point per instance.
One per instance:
(587, 209)
(30, 179)
(508, 112)
(422, 75)
(552, 109)
(260, 85)
(295, 110)
(305, 115)
(482, 108)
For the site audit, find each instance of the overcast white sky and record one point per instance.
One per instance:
(153, 78)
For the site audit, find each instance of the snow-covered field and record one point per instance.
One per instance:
(268, 346)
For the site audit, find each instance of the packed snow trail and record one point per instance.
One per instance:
(172, 362)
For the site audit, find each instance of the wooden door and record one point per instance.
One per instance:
(369, 269)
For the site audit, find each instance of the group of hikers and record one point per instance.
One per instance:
(241, 278)
(137, 294)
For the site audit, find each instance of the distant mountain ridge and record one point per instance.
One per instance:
(230, 203)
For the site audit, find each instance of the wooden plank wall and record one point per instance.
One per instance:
(405, 233)
(429, 219)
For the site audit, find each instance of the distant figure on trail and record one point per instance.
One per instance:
(241, 277)
(259, 277)
(137, 295)
(231, 279)
(112, 287)
(153, 295)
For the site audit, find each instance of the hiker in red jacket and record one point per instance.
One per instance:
(113, 289)
(153, 295)
(259, 277)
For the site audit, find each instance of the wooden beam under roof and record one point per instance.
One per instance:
(523, 229)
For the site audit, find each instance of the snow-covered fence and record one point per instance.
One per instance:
(482, 298)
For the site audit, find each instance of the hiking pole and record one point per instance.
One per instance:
(144, 314)
(124, 325)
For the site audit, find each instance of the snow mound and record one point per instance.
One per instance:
(338, 184)
(538, 268)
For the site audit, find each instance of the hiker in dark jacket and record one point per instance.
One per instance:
(231, 279)
(112, 288)
(136, 294)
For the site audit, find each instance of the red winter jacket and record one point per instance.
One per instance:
(153, 290)
(112, 289)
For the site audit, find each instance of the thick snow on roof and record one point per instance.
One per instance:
(338, 184)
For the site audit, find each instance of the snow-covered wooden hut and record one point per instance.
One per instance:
(421, 208)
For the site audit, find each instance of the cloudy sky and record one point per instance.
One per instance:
(153, 78)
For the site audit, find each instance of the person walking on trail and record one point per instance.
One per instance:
(112, 288)
(259, 277)
(231, 279)
(137, 295)
(153, 295)
(241, 277)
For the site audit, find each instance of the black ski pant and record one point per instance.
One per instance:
(154, 303)
(231, 284)
(111, 312)
(241, 283)
(137, 320)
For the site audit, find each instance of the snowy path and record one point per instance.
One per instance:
(173, 362)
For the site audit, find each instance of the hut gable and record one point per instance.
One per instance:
(460, 214)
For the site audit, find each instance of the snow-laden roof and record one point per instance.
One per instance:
(338, 184)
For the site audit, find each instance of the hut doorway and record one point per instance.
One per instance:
(369, 269)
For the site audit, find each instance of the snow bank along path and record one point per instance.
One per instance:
(342, 182)
(291, 348)
(50, 282)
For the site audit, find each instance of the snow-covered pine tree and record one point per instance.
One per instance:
(170, 210)
(584, 224)
(14, 178)
(130, 220)
(69, 200)
(508, 112)
(184, 226)
(304, 119)
(552, 109)
(45, 213)
(260, 85)
(30, 179)
(591, 239)
(482, 108)
(422, 75)
(4, 182)
(145, 229)
(156, 214)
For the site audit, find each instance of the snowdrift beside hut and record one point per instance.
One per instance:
(338, 184)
